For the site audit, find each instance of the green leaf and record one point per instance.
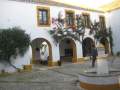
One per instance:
(13, 41)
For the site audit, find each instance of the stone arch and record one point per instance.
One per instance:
(69, 47)
(87, 46)
(39, 41)
(105, 43)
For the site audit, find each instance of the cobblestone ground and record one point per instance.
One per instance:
(39, 80)
(44, 78)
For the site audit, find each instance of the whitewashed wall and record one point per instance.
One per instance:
(24, 15)
(113, 20)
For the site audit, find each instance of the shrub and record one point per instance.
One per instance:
(118, 53)
(13, 42)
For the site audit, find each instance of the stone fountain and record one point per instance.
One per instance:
(102, 77)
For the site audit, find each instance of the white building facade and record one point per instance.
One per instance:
(27, 15)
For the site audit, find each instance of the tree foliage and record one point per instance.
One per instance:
(60, 31)
(13, 42)
(111, 40)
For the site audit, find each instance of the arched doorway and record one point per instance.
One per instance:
(105, 43)
(67, 48)
(87, 46)
(41, 51)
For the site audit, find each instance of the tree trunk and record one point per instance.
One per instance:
(13, 65)
(9, 62)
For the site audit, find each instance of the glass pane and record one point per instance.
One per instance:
(69, 18)
(87, 20)
(45, 17)
(40, 16)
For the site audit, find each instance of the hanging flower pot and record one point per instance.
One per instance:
(74, 33)
(74, 28)
(70, 30)
(59, 35)
(65, 33)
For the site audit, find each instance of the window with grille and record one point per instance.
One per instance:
(86, 19)
(70, 18)
(102, 22)
(43, 16)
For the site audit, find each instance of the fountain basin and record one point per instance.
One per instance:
(94, 81)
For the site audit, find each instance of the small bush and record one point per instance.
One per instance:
(118, 53)
(13, 42)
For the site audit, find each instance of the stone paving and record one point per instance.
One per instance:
(44, 78)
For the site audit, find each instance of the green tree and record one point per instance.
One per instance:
(13, 42)
(111, 40)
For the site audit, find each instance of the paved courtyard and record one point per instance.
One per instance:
(44, 78)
